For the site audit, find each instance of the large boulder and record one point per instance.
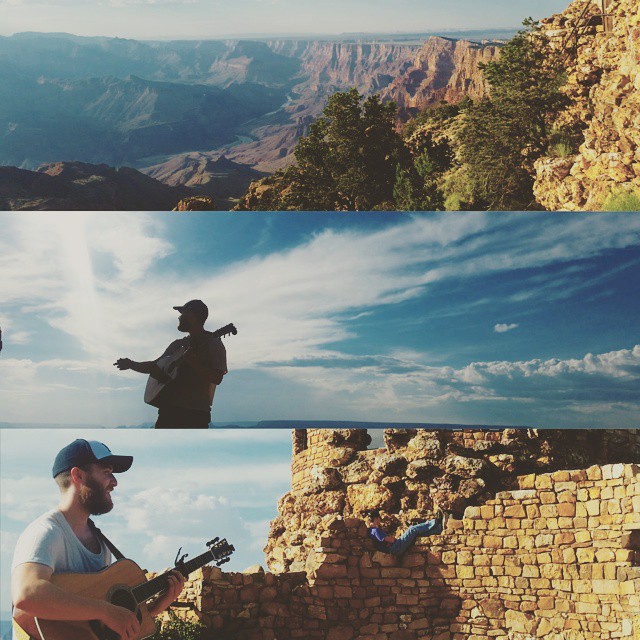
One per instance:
(361, 497)
(465, 467)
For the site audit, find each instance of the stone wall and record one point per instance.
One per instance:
(556, 557)
(417, 472)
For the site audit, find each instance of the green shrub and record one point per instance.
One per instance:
(177, 629)
(564, 142)
(622, 200)
(501, 136)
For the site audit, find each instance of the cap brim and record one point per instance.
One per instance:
(119, 463)
(178, 308)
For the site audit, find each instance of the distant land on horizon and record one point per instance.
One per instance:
(373, 36)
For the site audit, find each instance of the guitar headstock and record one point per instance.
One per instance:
(228, 329)
(221, 550)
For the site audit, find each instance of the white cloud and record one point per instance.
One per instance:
(503, 328)
(150, 3)
(168, 509)
(551, 389)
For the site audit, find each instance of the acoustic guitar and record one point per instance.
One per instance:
(169, 365)
(124, 584)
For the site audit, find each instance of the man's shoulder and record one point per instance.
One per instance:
(213, 340)
(47, 521)
(45, 527)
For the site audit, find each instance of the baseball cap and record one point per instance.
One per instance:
(196, 306)
(81, 452)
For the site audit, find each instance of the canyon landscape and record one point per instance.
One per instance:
(211, 115)
(220, 120)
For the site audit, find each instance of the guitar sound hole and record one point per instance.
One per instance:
(121, 598)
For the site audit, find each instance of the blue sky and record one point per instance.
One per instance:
(505, 319)
(180, 491)
(211, 18)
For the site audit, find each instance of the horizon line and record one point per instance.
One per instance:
(264, 36)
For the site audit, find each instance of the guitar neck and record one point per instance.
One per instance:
(147, 590)
(223, 331)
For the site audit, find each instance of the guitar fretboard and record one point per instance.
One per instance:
(147, 590)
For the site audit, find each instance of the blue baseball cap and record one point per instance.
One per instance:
(81, 452)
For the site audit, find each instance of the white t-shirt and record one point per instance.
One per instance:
(49, 540)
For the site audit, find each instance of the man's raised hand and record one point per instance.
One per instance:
(123, 364)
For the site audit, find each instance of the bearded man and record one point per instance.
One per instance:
(65, 540)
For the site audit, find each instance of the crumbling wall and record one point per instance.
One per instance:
(557, 557)
(417, 472)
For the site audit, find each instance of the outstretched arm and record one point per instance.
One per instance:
(150, 368)
(34, 594)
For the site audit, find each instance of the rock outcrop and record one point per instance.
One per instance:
(443, 70)
(603, 81)
(417, 473)
(211, 174)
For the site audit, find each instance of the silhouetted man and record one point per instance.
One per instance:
(185, 401)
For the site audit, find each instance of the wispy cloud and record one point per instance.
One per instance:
(151, 3)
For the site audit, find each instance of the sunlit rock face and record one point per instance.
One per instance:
(603, 81)
(443, 70)
(555, 555)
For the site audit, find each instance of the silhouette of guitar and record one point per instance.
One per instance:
(169, 366)
(124, 584)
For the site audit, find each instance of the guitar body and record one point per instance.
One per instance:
(111, 584)
(169, 365)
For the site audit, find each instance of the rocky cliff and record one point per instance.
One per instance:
(326, 66)
(414, 76)
(442, 70)
(603, 81)
(79, 186)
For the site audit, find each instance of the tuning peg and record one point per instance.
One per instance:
(212, 542)
(179, 560)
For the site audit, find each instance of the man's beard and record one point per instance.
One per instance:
(94, 498)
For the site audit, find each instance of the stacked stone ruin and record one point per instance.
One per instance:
(552, 552)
